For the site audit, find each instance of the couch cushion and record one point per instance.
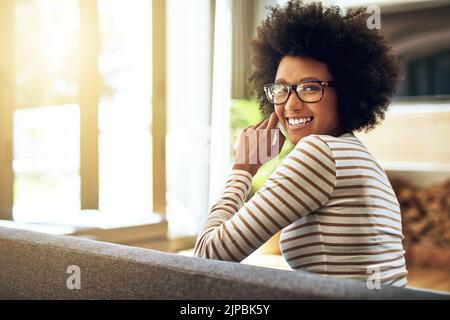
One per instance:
(34, 266)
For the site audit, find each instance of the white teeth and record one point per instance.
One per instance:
(296, 121)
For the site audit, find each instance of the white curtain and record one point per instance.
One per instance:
(189, 69)
(221, 99)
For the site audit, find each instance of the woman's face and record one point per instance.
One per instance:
(292, 70)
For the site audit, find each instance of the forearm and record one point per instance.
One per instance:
(232, 198)
(235, 228)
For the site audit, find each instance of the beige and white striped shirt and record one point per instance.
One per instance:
(336, 208)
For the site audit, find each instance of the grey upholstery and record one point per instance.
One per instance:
(34, 266)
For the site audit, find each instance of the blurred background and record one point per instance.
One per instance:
(118, 119)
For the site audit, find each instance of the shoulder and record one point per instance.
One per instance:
(316, 150)
(327, 142)
(313, 161)
(318, 142)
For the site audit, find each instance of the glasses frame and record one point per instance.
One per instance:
(291, 87)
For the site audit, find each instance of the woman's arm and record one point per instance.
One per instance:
(302, 183)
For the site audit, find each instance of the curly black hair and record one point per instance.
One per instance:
(360, 59)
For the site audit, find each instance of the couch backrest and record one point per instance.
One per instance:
(35, 266)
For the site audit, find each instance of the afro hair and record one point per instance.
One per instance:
(360, 59)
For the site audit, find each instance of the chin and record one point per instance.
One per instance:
(295, 137)
(296, 133)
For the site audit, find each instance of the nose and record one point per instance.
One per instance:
(294, 104)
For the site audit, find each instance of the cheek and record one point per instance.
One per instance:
(327, 113)
(324, 120)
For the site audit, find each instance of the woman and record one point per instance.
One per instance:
(320, 75)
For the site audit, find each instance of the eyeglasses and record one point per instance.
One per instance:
(309, 91)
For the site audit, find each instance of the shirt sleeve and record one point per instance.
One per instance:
(301, 184)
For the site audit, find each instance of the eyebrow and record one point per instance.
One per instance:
(282, 81)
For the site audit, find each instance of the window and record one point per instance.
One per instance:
(427, 76)
(125, 159)
(46, 113)
(188, 109)
(90, 101)
(78, 110)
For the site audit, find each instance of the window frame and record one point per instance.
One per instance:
(159, 106)
(6, 107)
(88, 100)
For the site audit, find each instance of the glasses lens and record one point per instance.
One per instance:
(280, 93)
(310, 91)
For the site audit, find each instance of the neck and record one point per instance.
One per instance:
(340, 131)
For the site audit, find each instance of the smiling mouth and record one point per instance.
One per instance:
(298, 123)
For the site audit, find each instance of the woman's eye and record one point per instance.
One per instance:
(279, 89)
(312, 88)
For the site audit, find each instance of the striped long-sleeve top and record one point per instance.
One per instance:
(336, 208)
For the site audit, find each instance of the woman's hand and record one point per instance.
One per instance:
(258, 144)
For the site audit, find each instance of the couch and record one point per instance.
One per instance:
(35, 265)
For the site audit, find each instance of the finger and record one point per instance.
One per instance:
(253, 126)
(271, 124)
(277, 142)
(248, 128)
(262, 125)
(273, 120)
(282, 140)
(258, 124)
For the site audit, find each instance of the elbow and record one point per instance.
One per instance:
(204, 248)
(200, 250)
